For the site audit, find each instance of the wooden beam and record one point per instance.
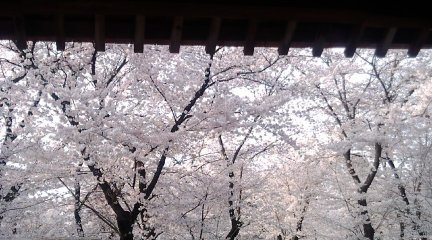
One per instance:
(139, 34)
(354, 39)
(288, 36)
(313, 11)
(346, 30)
(318, 45)
(418, 42)
(60, 37)
(385, 44)
(20, 33)
(176, 33)
(213, 35)
(249, 45)
(100, 32)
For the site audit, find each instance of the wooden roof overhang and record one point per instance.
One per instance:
(249, 24)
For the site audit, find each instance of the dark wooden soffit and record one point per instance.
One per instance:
(266, 23)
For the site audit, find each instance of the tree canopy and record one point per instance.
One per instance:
(120, 145)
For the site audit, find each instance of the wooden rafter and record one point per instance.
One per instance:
(354, 40)
(418, 42)
(139, 34)
(20, 32)
(60, 37)
(287, 39)
(249, 45)
(99, 32)
(384, 46)
(176, 34)
(318, 45)
(213, 35)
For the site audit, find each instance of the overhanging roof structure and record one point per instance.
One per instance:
(253, 23)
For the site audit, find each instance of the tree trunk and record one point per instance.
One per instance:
(368, 230)
(78, 223)
(77, 204)
(125, 227)
(299, 225)
(235, 220)
(402, 227)
(235, 229)
(402, 193)
(418, 212)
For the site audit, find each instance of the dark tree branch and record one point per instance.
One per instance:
(83, 203)
(116, 71)
(164, 98)
(367, 183)
(235, 222)
(184, 116)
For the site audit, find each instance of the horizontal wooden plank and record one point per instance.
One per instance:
(279, 24)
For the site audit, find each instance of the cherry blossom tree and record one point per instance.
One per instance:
(194, 146)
